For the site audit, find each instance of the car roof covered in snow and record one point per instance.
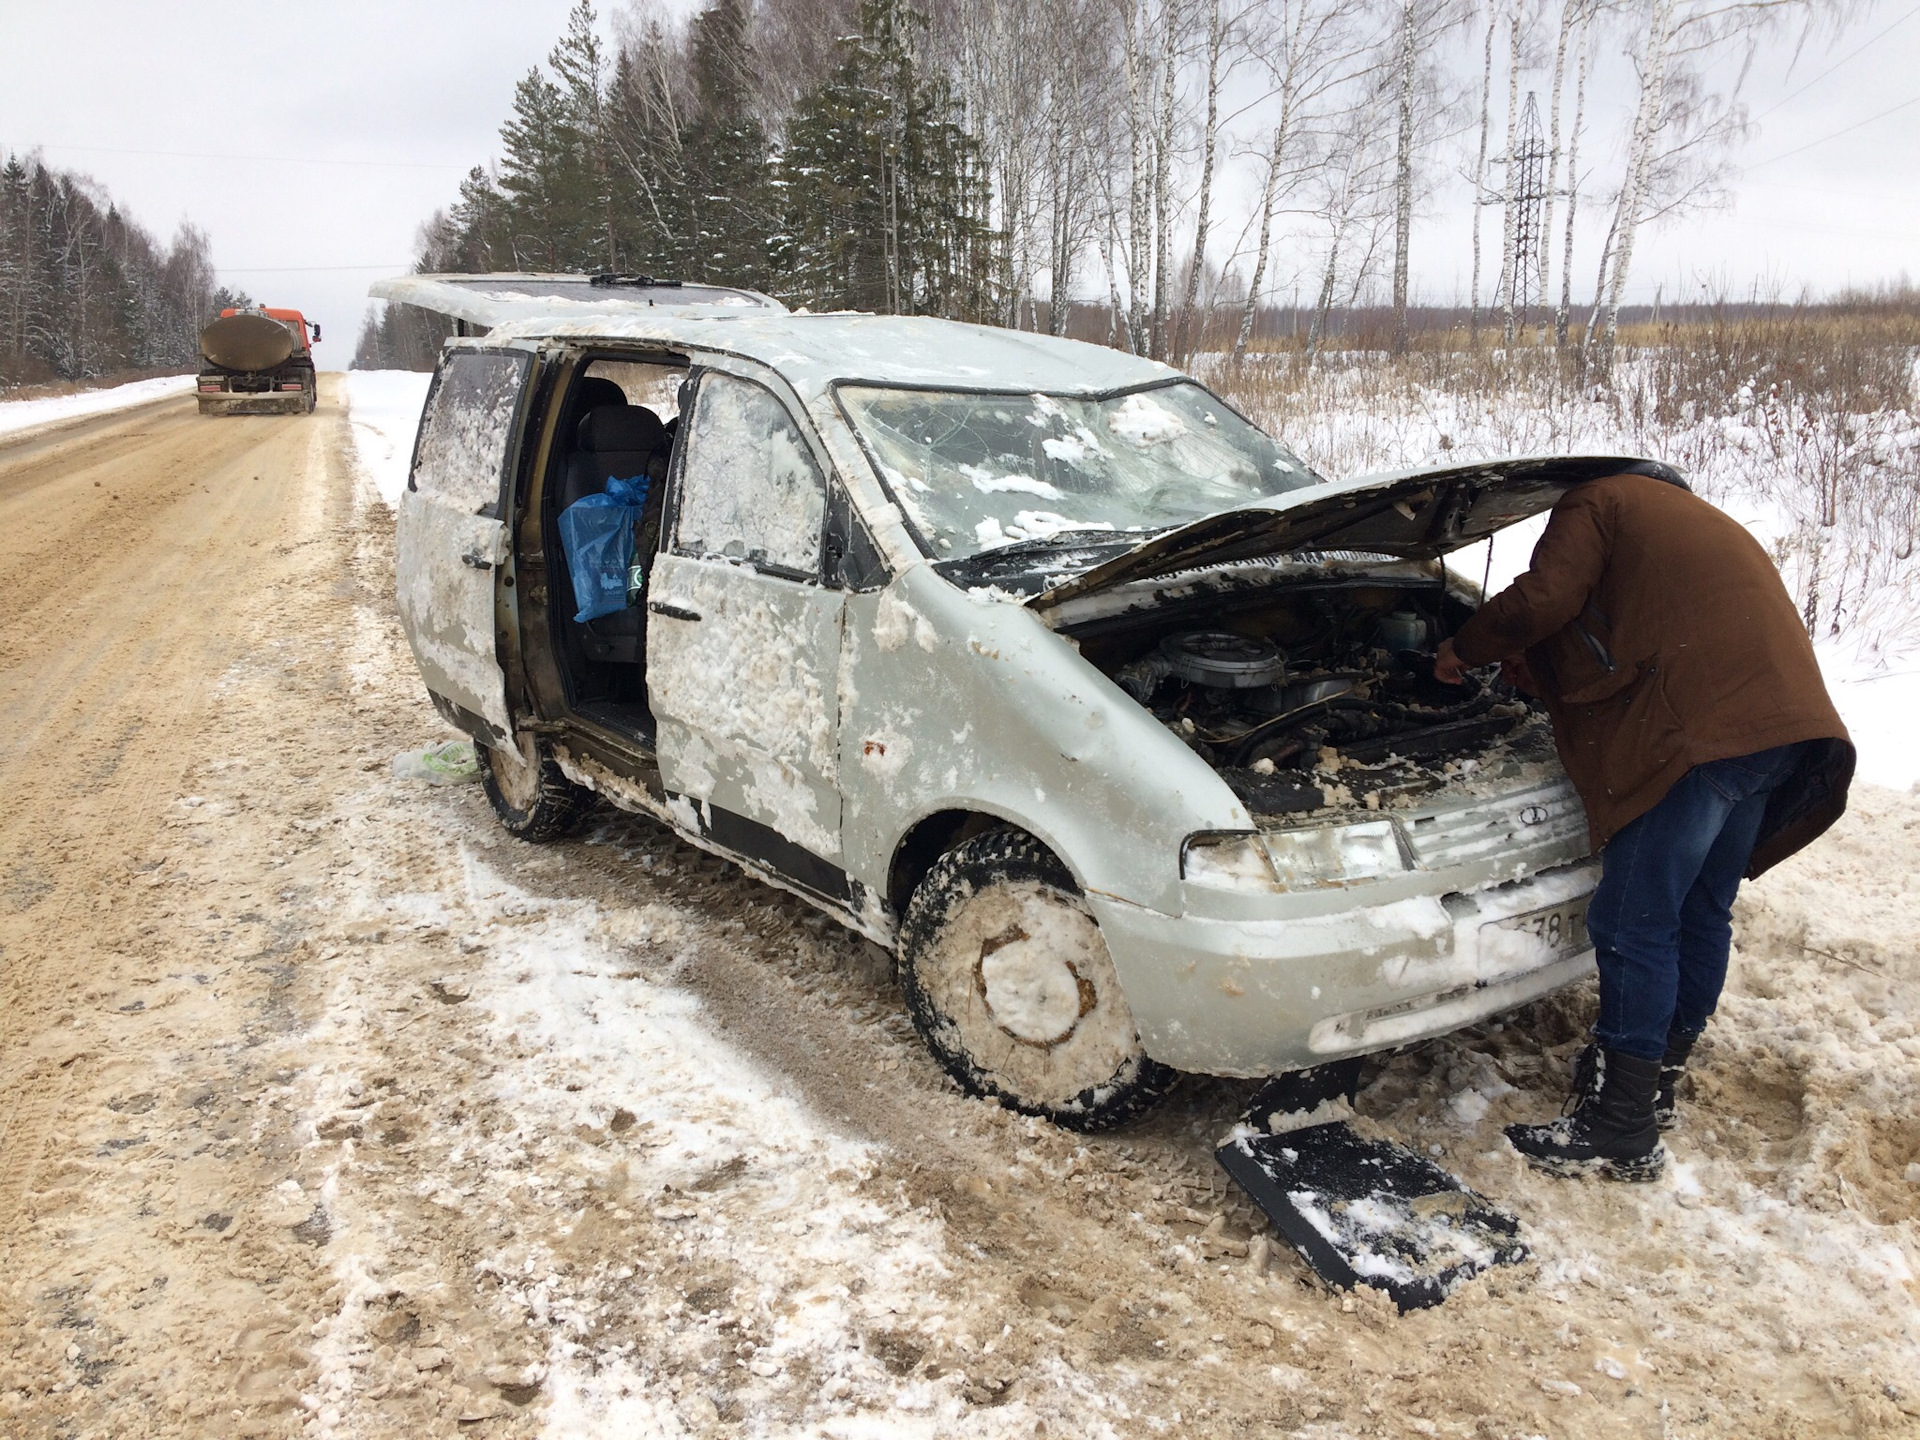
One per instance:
(812, 352)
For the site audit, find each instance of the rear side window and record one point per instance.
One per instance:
(462, 453)
(749, 489)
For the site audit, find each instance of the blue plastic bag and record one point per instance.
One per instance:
(596, 531)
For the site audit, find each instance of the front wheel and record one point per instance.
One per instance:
(1009, 983)
(534, 800)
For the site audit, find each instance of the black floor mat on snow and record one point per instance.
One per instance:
(1369, 1212)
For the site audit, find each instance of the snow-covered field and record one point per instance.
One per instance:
(384, 408)
(18, 415)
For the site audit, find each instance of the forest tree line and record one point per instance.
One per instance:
(85, 290)
(1178, 168)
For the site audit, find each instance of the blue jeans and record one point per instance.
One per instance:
(1662, 917)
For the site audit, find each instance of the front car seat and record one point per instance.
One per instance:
(612, 442)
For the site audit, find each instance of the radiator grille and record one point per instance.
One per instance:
(1544, 817)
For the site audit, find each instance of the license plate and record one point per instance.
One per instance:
(1559, 929)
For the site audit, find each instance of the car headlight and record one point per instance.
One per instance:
(1228, 860)
(1335, 854)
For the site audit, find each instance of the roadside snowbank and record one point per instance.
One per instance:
(384, 408)
(17, 415)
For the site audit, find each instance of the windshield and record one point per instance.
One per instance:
(978, 472)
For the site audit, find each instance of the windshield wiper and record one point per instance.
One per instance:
(1059, 540)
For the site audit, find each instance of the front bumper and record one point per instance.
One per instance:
(1261, 997)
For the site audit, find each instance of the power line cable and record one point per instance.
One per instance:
(1891, 110)
(265, 159)
(1794, 94)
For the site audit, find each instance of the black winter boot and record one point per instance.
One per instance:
(1611, 1130)
(1673, 1065)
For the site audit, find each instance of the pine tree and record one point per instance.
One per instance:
(478, 222)
(579, 62)
(886, 197)
(541, 178)
(731, 198)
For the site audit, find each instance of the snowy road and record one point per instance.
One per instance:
(325, 1109)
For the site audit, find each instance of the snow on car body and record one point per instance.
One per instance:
(1029, 658)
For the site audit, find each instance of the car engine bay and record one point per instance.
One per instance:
(1317, 692)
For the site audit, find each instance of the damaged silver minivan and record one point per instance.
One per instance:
(1030, 660)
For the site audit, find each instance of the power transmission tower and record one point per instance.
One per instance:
(1527, 192)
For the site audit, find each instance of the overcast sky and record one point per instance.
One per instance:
(309, 141)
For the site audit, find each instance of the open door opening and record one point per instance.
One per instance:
(613, 449)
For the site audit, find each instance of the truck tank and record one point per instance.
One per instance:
(257, 362)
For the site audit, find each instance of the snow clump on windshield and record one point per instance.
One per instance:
(1142, 420)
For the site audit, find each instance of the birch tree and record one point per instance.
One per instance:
(1360, 203)
(1480, 172)
(1572, 15)
(1589, 34)
(1137, 244)
(1163, 146)
(1000, 53)
(1314, 53)
(1682, 129)
(1405, 73)
(1419, 26)
(1216, 36)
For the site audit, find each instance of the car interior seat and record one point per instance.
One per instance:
(618, 441)
(612, 442)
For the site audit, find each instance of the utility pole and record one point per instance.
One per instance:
(1527, 194)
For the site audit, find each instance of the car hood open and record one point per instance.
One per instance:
(1411, 514)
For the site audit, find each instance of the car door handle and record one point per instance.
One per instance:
(476, 560)
(672, 612)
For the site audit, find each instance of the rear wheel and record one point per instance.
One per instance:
(1011, 987)
(533, 799)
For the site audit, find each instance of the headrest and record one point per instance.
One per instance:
(620, 428)
(595, 391)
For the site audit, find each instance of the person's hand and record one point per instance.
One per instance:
(1517, 673)
(1447, 667)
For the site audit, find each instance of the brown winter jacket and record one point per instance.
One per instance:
(1661, 637)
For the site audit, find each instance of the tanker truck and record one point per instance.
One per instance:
(258, 362)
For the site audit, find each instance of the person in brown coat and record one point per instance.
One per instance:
(1691, 715)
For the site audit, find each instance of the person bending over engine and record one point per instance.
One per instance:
(1690, 712)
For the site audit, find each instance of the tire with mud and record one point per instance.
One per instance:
(1011, 987)
(534, 800)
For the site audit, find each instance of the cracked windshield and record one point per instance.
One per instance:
(978, 472)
